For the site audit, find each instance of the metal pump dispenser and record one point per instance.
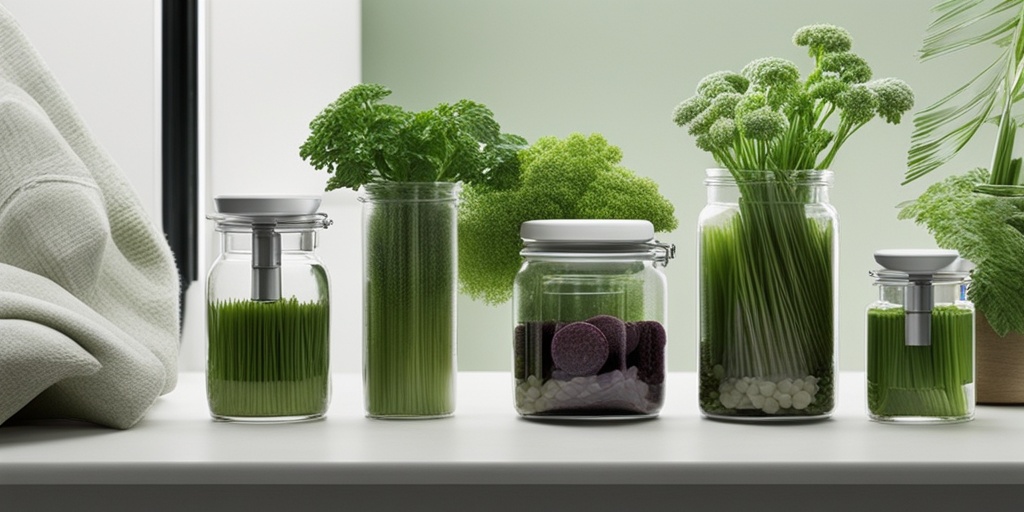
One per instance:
(266, 263)
(920, 267)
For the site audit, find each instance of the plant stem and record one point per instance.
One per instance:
(1002, 158)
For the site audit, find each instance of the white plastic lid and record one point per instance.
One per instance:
(916, 261)
(587, 230)
(267, 206)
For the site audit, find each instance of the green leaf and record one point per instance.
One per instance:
(359, 140)
(986, 230)
(944, 128)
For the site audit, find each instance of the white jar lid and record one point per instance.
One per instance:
(916, 261)
(266, 206)
(587, 230)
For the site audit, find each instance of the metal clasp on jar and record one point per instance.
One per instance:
(663, 251)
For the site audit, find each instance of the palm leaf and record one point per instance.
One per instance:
(944, 128)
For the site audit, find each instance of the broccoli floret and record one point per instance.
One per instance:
(827, 88)
(895, 98)
(578, 177)
(763, 124)
(778, 79)
(822, 39)
(723, 105)
(750, 103)
(721, 82)
(772, 73)
(857, 105)
(689, 109)
(722, 134)
(848, 66)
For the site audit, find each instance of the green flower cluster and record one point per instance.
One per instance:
(766, 118)
(578, 177)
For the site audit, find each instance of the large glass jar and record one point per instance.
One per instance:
(268, 299)
(920, 339)
(590, 332)
(768, 288)
(409, 269)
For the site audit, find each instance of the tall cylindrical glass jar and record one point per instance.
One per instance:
(920, 339)
(590, 313)
(409, 290)
(268, 310)
(768, 300)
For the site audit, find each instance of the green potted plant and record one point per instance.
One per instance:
(768, 235)
(979, 213)
(409, 166)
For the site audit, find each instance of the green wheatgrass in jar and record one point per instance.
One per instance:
(268, 358)
(925, 381)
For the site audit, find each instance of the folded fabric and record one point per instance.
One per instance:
(88, 287)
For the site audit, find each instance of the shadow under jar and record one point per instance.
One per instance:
(589, 308)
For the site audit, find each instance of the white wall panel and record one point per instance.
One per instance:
(105, 54)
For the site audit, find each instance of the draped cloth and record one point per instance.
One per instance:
(88, 287)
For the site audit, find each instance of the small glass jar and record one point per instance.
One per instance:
(268, 312)
(589, 308)
(920, 339)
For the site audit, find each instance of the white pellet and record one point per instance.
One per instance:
(801, 399)
(757, 401)
(767, 388)
(729, 400)
(785, 401)
(770, 406)
(745, 403)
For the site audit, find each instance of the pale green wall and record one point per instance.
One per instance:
(552, 67)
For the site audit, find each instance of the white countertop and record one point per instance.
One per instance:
(487, 443)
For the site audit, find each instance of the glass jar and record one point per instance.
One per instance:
(409, 269)
(768, 296)
(590, 308)
(920, 339)
(268, 312)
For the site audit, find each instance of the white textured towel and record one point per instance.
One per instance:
(88, 288)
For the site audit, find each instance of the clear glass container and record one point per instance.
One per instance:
(590, 320)
(268, 311)
(409, 268)
(920, 342)
(768, 296)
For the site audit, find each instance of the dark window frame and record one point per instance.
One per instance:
(180, 135)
